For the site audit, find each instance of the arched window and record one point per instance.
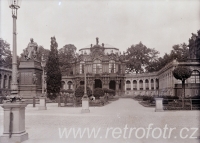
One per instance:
(134, 85)
(152, 84)
(62, 84)
(147, 84)
(128, 85)
(69, 84)
(82, 66)
(195, 77)
(119, 69)
(5, 80)
(112, 66)
(9, 83)
(97, 67)
(157, 83)
(141, 84)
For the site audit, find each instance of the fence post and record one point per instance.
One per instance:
(58, 100)
(191, 103)
(34, 101)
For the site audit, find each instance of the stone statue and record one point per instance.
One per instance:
(31, 51)
(34, 78)
(97, 40)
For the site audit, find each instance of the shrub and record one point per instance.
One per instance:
(109, 91)
(146, 98)
(98, 92)
(67, 91)
(79, 92)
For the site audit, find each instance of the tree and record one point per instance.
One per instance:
(66, 57)
(182, 73)
(5, 54)
(53, 71)
(180, 52)
(79, 92)
(139, 57)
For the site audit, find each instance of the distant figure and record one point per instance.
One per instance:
(92, 98)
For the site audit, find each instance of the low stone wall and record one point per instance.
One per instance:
(141, 92)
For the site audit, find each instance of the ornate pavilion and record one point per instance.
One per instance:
(104, 67)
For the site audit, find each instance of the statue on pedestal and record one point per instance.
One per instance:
(31, 51)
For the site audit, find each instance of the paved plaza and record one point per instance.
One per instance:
(43, 125)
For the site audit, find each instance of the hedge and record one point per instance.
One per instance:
(67, 91)
(98, 92)
(109, 91)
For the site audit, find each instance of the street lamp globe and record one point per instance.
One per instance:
(14, 3)
(43, 64)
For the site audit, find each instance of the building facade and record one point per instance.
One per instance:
(5, 80)
(103, 65)
(163, 82)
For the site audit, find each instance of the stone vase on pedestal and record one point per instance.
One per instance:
(15, 127)
(159, 105)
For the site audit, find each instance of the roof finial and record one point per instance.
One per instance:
(97, 40)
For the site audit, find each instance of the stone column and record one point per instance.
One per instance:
(125, 85)
(144, 87)
(117, 87)
(138, 84)
(154, 83)
(2, 80)
(131, 84)
(7, 82)
(149, 84)
(167, 78)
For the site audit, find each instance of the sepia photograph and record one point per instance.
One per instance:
(99, 71)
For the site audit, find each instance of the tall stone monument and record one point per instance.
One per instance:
(30, 72)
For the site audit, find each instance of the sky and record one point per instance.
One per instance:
(158, 24)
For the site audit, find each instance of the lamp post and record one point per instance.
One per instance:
(85, 99)
(14, 5)
(14, 112)
(43, 64)
(42, 105)
(85, 85)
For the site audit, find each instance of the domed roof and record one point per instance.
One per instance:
(105, 46)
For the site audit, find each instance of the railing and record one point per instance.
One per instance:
(4, 91)
(181, 104)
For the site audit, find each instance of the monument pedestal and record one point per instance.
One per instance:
(30, 75)
(85, 105)
(159, 105)
(14, 123)
(42, 105)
